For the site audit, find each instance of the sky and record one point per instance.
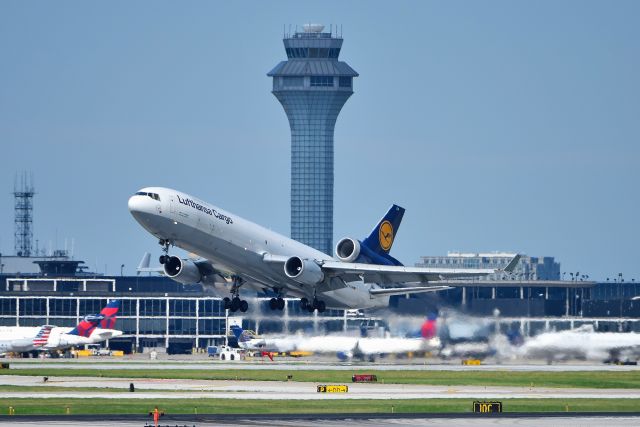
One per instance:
(498, 125)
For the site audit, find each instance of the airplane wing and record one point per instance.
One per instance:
(408, 290)
(387, 274)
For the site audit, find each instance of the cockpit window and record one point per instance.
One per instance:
(154, 196)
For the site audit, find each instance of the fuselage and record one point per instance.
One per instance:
(20, 338)
(233, 244)
(580, 345)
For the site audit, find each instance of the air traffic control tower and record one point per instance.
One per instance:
(312, 86)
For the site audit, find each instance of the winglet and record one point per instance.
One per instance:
(512, 264)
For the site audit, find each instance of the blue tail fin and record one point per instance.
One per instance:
(384, 233)
(237, 331)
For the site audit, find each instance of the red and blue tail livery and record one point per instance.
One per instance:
(42, 337)
(105, 320)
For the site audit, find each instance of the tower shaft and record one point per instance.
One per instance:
(312, 86)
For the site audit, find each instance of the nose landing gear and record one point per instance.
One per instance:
(165, 248)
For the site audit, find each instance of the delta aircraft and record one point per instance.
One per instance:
(363, 274)
(92, 329)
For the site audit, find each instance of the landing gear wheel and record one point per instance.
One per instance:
(280, 303)
(244, 306)
(235, 304)
(163, 259)
(227, 303)
(304, 304)
(321, 306)
(273, 303)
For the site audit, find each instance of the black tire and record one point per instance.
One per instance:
(321, 306)
(227, 303)
(162, 259)
(244, 306)
(222, 356)
(232, 357)
(304, 304)
(280, 304)
(235, 304)
(273, 304)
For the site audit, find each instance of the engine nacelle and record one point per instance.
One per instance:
(348, 250)
(303, 271)
(182, 271)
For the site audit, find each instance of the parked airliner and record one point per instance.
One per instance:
(363, 274)
(92, 329)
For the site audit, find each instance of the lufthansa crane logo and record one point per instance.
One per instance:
(385, 235)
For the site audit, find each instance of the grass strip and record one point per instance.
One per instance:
(35, 406)
(574, 379)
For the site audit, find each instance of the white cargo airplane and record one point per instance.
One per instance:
(582, 343)
(92, 329)
(364, 275)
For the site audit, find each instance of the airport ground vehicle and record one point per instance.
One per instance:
(228, 353)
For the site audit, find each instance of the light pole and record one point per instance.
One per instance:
(121, 270)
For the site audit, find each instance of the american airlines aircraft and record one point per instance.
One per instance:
(363, 274)
(92, 329)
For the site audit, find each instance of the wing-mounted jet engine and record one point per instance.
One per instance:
(304, 271)
(187, 271)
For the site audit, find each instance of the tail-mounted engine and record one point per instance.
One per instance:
(348, 250)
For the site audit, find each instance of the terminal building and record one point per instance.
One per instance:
(158, 313)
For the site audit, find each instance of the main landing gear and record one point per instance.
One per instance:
(316, 304)
(234, 304)
(276, 304)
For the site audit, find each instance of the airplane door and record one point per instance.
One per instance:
(172, 207)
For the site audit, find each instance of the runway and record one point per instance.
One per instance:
(339, 420)
(117, 388)
(296, 364)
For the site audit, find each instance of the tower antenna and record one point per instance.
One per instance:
(23, 193)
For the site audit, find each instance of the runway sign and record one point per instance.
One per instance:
(486, 407)
(333, 389)
(364, 378)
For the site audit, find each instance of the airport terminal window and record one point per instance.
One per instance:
(127, 307)
(211, 326)
(62, 307)
(7, 307)
(153, 307)
(63, 321)
(91, 306)
(210, 308)
(179, 307)
(182, 326)
(152, 326)
(33, 307)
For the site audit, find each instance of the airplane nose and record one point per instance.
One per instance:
(135, 204)
(140, 205)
